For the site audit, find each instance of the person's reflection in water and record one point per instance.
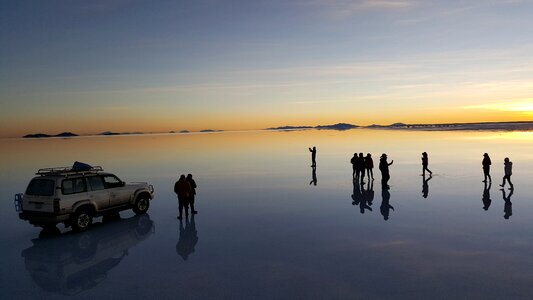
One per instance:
(314, 179)
(425, 185)
(368, 194)
(364, 204)
(385, 202)
(356, 194)
(188, 238)
(486, 196)
(508, 206)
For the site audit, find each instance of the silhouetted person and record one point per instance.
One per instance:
(361, 166)
(508, 206)
(385, 202)
(313, 156)
(486, 196)
(425, 185)
(508, 168)
(425, 163)
(313, 174)
(192, 197)
(486, 167)
(183, 189)
(384, 168)
(369, 166)
(353, 161)
(188, 238)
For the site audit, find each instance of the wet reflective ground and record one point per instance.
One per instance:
(264, 230)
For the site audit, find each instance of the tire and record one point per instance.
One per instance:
(142, 203)
(82, 219)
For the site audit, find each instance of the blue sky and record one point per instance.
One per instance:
(129, 65)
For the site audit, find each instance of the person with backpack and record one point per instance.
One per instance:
(508, 168)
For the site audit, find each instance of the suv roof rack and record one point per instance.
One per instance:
(66, 171)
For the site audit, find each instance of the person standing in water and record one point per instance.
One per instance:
(384, 168)
(192, 196)
(508, 168)
(183, 189)
(425, 164)
(313, 156)
(353, 161)
(369, 166)
(486, 167)
(361, 167)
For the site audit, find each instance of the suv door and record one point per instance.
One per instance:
(118, 192)
(99, 195)
(73, 190)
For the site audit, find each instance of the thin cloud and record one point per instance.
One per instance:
(523, 106)
(347, 8)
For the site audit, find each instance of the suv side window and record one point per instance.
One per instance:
(96, 183)
(111, 181)
(73, 186)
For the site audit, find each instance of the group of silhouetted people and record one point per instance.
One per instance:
(363, 198)
(185, 189)
(508, 171)
(507, 167)
(365, 164)
(362, 164)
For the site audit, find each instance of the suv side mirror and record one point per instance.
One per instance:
(122, 184)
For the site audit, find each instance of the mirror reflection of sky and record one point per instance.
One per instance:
(263, 231)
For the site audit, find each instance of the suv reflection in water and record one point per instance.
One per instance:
(73, 262)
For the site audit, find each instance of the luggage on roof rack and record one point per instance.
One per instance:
(65, 171)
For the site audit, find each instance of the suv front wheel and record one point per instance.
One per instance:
(82, 219)
(141, 204)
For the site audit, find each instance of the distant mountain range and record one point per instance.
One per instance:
(482, 126)
(105, 133)
(339, 126)
(427, 127)
(44, 135)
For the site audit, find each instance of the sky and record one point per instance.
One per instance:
(157, 66)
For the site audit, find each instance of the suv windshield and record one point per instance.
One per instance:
(41, 187)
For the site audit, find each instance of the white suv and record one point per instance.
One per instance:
(65, 195)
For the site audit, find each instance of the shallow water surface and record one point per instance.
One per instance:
(265, 230)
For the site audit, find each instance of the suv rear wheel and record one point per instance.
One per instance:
(82, 219)
(141, 204)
